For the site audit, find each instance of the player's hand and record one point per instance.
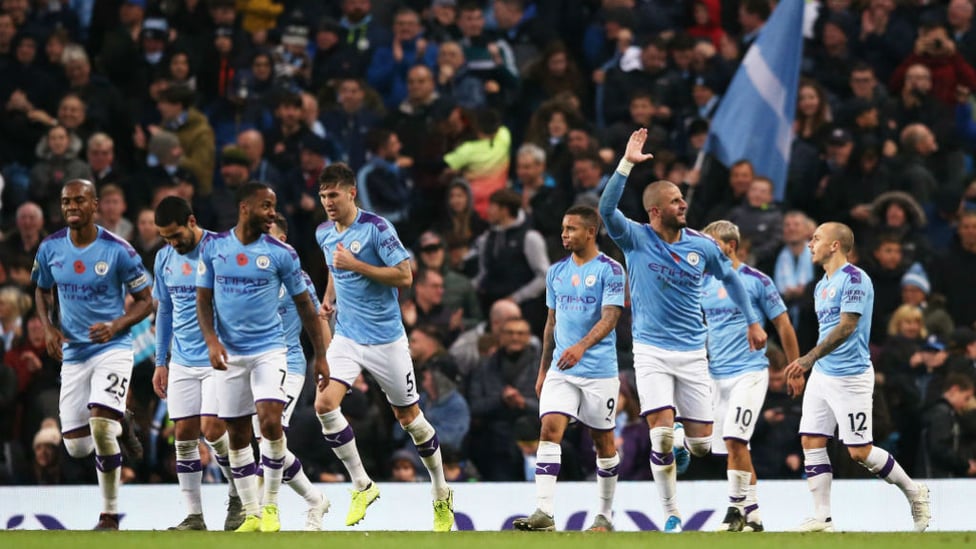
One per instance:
(53, 338)
(757, 337)
(218, 355)
(160, 381)
(322, 368)
(635, 147)
(570, 357)
(796, 380)
(342, 258)
(326, 310)
(102, 332)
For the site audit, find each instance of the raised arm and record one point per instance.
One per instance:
(617, 223)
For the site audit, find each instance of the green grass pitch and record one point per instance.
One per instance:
(480, 540)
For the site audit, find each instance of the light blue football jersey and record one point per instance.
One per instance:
(91, 285)
(178, 336)
(666, 279)
(849, 291)
(728, 346)
(292, 325)
(367, 312)
(246, 281)
(578, 294)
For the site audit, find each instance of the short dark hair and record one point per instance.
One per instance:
(109, 189)
(250, 189)
(508, 199)
(886, 238)
(470, 5)
(760, 8)
(180, 94)
(377, 138)
(423, 274)
(282, 222)
(173, 209)
(337, 175)
(861, 66)
(957, 379)
(588, 214)
(642, 94)
(289, 99)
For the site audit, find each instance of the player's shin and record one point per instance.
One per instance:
(820, 474)
(339, 436)
(108, 460)
(242, 469)
(663, 469)
(606, 483)
(189, 474)
(221, 448)
(425, 439)
(883, 464)
(547, 465)
(273, 460)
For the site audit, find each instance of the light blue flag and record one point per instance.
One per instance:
(755, 119)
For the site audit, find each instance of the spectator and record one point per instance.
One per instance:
(458, 291)
(962, 352)
(484, 53)
(885, 37)
(147, 241)
(813, 114)
(942, 453)
(196, 137)
(849, 194)
(553, 73)
(542, 199)
(588, 180)
(937, 51)
(438, 377)
(252, 143)
(46, 465)
(284, 139)
(388, 70)
(523, 30)
(384, 182)
(915, 291)
(959, 23)
(24, 240)
(886, 266)
(707, 15)
(898, 214)
(483, 161)
(58, 164)
(917, 145)
(351, 120)
(512, 259)
(426, 307)
(335, 56)
(952, 272)
(13, 305)
(403, 466)
(466, 349)
(501, 391)
(111, 208)
(901, 353)
(363, 31)
(101, 160)
(292, 64)
(741, 176)
(864, 86)
(441, 24)
(752, 17)
(793, 273)
(761, 222)
(38, 374)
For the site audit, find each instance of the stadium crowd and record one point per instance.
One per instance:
(472, 126)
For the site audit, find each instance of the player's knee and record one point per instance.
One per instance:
(552, 428)
(419, 428)
(859, 453)
(79, 447)
(699, 446)
(407, 415)
(325, 402)
(604, 444)
(105, 433)
(662, 439)
(213, 430)
(270, 427)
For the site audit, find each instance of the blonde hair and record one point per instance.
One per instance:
(902, 314)
(18, 301)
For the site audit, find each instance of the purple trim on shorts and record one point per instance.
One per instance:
(649, 412)
(547, 469)
(577, 420)
(859, 444)
(75, 430)
(804, 434)
(348, 385)
(427, 449)
(232, 418)
(733, 438)
(107, 464)
(607, 473)
(210, 415)
(292, 470)
(273, 463)
(338, 439)
(888, 466)
(283, 401)
(188, 466)
(414, 403)
(245, 471)
(737, 499)
(223, 461)
(120, 411)
(814, 470)
(750, 508)
(690, 420)
(175, 419)
(663, 459)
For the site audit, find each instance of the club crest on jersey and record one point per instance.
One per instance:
(101, 268)
(693, 259)
(201, 268)
(832, 293)
(575, 280)
(590, 281)
(262, 262)
(355, 247)
(187, 269)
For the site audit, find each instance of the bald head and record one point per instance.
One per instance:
(656, 195)
(86, 186)
(840, 233)
(501, 312)
(252, 143)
